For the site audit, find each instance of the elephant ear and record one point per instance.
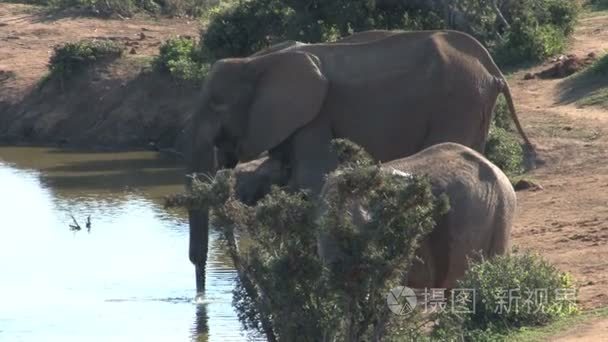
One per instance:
(289, 93)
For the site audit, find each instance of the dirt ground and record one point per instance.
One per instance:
(567, 222)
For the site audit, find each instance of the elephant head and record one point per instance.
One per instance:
(248, 106)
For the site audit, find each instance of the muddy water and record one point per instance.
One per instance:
(128, 278)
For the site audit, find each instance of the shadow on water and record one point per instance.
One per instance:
(200, 329)
(69, 171)
(116, 165)
(119, 180)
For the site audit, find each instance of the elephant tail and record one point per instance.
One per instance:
(530, 156)
(506, 91)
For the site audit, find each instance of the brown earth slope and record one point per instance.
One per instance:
(112, 105)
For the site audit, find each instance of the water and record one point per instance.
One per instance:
(128, 279)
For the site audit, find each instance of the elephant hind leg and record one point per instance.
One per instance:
(501, 234)
(441, 252)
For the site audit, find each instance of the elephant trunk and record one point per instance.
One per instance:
(203, 161)
(199, 240)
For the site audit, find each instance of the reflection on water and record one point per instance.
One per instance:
(128, 279)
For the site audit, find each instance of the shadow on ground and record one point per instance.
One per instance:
(580, 86)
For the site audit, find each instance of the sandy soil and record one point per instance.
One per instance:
(592, 331)
(567, 222)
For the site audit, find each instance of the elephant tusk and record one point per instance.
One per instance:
(400, 173)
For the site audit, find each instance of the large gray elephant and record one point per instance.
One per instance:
(482, 209)
(392, 92)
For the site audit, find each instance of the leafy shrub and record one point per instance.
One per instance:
(284, 288)
(236, 32)
(501, 116)
(543, 294)
(530, 43)
(538, 27)
(74, 57)
(504, 150)
(181, 58)
(562, 14)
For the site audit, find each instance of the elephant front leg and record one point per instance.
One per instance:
(311, 156)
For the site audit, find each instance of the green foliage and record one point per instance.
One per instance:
(539, 29)
(501, 116)
(350, 154)
(504, 150)
(545, 294)
(284, 286)
(503, 147)
(236, 31)
(530, 43)
(180, 57)
(74, 57)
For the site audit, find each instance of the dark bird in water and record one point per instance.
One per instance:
(74, 227)
(88, 224)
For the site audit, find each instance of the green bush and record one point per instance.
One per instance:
(284, 289)
(349, 297)
(501, 116)
(527, 42)
(538, 27)
(74, 57)
(510, 292)
(180, 57)
(504, 150)
(236, 31)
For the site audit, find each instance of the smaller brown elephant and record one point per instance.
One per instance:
(254, 179)
(482, 208)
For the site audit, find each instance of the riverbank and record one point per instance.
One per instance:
(113, 105)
